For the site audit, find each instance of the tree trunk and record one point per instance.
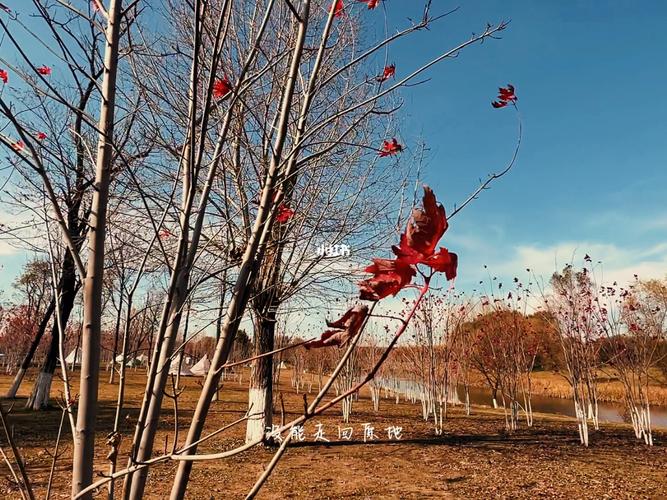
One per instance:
(218, 320)
(135, 483)
(260, 394)
(67, 288)
(116, 333)
(25, 364)
(84, 440)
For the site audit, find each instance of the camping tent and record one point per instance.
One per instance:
(200, 368)
(140, 360)
(185, 371)
(73, 358)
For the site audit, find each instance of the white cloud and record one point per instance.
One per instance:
(617, 264)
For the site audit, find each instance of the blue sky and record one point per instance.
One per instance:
(590, 77)
(591, 172)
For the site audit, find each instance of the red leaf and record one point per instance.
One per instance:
(390, 148)
(221, 87)
(390, 277)
(4, 76)
(18, 146)
(506, 95)
(41, 136)
(285, 213)
(343, 329)
(425, 228)
(444, 262)
(339, 9)
(44, 70)
(389, 72)
(371, 3)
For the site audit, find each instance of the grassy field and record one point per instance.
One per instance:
(554, 385)
(473, 459)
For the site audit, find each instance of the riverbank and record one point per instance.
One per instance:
(474, 458)
(610, 389)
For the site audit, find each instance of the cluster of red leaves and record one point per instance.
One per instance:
(343, 329)
(4, 76)
(389, 72)
(18, 146)
(165, 233)
(370, 3)
(390, 148)
(285, 213)
(389, 278)
(44, 70)
(505, 96)
(417, 246)
(221, 87)
(339, 9)
(40, 136)
(425, 228)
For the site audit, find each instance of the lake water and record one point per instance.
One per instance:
(608, 412)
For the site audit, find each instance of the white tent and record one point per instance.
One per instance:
(73, 358)
(200, 368)
(185, 371)
(130, 361)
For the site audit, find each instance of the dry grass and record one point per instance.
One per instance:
(474, 459)
(554, 385)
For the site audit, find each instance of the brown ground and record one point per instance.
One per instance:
(474, 459)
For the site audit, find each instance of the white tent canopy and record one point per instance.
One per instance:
(138, 361)
(185, 371)
(74, 357)
(201, 367)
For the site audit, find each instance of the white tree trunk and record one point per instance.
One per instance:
(260, 420)
(39, 399)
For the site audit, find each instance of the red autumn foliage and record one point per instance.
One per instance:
(425, 228)
(44, 70)
(389, 72)
(18, 146)
(221, 87)
(443, 262)
(389, 278)
(505, 96)
(285, 213)
(343, 329)
(339, 9)
(41, 136)
(4, 76)
(370, 3)
(390, 148)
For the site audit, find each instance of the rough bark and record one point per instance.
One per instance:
(84, 442)
(260, 394)
(67, 289)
